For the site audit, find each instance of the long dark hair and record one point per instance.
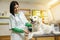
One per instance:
(12, 4)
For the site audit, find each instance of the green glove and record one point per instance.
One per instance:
(17, 30)
(28, 24)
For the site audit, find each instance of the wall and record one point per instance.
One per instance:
(4, 6)
(55, 10)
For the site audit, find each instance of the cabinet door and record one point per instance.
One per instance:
(45, 38)
(4, 37)
(33, 38)
(58, 38)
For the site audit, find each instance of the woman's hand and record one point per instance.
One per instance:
(26, 31)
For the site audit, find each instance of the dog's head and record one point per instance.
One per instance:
(36, 19)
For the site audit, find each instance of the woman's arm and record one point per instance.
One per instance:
(13, 26)
(17, 30)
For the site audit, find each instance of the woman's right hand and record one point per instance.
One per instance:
(26, 31)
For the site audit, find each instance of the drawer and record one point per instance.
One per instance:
(4, 30)
(4, 20)
(45, 38)
(4, 37)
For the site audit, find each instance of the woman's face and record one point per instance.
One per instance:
(16, 8)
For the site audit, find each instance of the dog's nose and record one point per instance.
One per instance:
(32, 21)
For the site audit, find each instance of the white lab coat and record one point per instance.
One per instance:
(18, 21)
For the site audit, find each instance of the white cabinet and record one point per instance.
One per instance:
(4, 26)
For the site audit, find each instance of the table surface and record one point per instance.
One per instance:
(46, 35)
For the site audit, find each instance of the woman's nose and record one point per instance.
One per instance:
(17, 9)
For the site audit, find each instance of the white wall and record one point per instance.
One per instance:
(56, 13)
(4, 6)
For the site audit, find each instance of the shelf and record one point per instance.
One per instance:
(4, 17)
(4, 23)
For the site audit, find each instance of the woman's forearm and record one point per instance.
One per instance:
(17, 30)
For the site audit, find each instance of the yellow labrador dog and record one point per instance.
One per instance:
(39, 28)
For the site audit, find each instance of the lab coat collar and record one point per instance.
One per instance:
(16, 14)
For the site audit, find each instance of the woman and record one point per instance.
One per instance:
(18, 22)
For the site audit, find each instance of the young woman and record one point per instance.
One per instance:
(18, 22)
